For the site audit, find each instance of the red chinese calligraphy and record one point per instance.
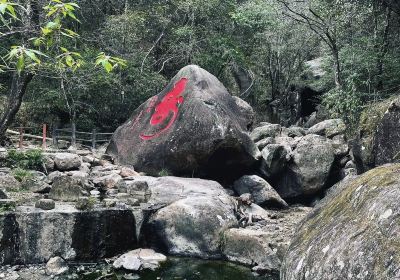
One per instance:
(169, 104)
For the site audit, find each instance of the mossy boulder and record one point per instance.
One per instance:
(377, 138)
(353, 233)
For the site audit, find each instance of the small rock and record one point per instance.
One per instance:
(128, 172)
(139, 259)
(110, 202)
(56, 266)
(85, 203)
(294, 131)
(45, 204)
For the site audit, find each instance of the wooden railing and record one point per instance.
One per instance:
(70, 135)
(82, 137)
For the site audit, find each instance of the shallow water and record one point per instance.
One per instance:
(177, 269)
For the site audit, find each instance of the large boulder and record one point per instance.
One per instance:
(189, 218)
(262, 192)
(193, 127)
(378, 136)
(328, 128)
(66, 161)
(353, 233)
(67, 188)
(274, 158)
(308, 171)
(246, 110)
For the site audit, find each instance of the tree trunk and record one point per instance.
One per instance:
(336, 68)
(17, 92)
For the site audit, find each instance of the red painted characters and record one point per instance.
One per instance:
(169, 104)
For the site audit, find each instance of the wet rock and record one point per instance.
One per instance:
(261, 191)
(199, 131)
(352, 233)
(139, 259)
(56, 266)
(45, 204)
(66, 161)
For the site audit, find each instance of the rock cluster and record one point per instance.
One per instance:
(302, 162)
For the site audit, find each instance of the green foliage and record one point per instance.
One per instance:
(163, 173)
(21, 174)
(31, 159)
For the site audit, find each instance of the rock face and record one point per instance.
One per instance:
(309, 169)
(377, 142)
(193, 127)
(262, 192)
(353, 233)
(31, 235)
(192, 216)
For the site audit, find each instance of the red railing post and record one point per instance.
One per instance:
(44, 143)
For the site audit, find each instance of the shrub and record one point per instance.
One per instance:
(31, 159)
(21, 174)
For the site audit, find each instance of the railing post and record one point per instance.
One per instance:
(73, 136)
(54, 134)
(94, 139)
(44, 137)
(21, 137)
